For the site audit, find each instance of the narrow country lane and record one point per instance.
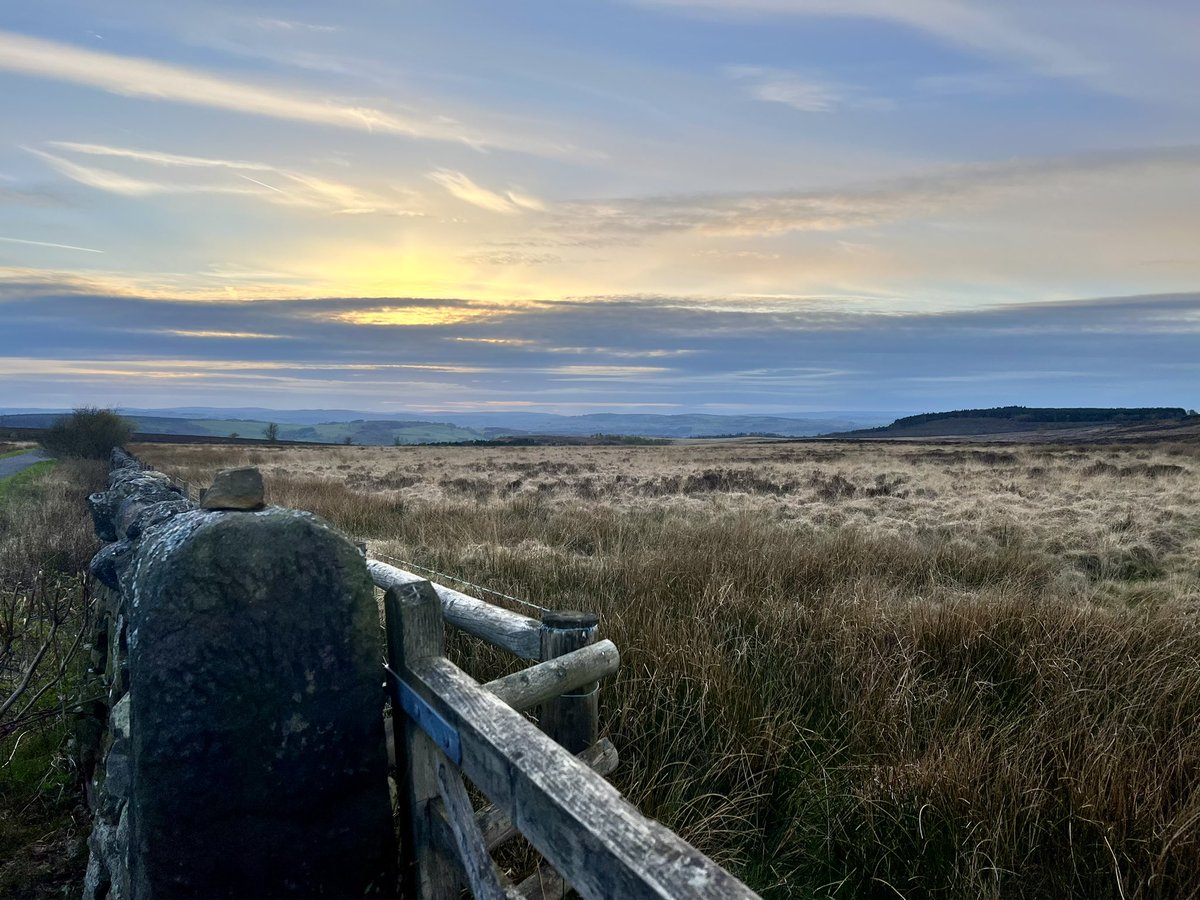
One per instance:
(11, 465)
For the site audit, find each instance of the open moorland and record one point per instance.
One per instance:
(849, 670)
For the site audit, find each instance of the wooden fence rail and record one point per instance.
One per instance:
(512, 631)
(549, 787)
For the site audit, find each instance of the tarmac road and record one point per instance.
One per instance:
(11, 465)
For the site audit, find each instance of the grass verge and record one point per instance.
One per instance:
(45, 543)
(16, 485)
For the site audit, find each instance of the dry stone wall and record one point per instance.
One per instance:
(244, 751)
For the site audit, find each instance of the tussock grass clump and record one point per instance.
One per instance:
(925, 673)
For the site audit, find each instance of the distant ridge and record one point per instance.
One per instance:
(1026, 422)
(351, 426)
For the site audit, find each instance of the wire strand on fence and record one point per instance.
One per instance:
(408, 564)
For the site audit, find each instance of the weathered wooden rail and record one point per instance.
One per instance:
(545, 782)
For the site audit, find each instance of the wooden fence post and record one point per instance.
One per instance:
(573, 720)
(413, 617)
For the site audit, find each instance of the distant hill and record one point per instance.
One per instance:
(358, 431)
(1035, 423)
(1014, 423)
(338, 426)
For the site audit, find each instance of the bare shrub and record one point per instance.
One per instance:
(88, 433)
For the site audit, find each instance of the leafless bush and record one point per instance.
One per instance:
(42, 627)
(87, 433)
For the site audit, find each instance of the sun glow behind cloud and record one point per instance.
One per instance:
(416, 315)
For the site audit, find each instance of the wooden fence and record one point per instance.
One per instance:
(543, 781)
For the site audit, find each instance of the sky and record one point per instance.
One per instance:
(722, 206)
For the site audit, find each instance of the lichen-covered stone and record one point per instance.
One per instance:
(120, 458)
(235, 489)
(130, 489)
(136, 500)
(135, 520)
(107, 876)
(117, 776)
(103, 508)
(257, 742)
(107, 564)
(119, 720)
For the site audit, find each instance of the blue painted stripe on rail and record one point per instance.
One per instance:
(428, 720)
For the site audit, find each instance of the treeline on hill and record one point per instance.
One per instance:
(1035, 415)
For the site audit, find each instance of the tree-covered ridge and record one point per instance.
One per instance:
(1052, 414)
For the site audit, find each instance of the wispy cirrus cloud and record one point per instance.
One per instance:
(956, 22)
(1129, 50)
(127, 185)
(270, 24)
(620, 352)
(30, 243)
(600, 371)
(512, 258)
(218, 335)
(462, 187)
(154, 80)
(290, 187)
(781, 212)
(792, 89)
(27, 196)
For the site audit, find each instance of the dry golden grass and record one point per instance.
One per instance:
(848, 670)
